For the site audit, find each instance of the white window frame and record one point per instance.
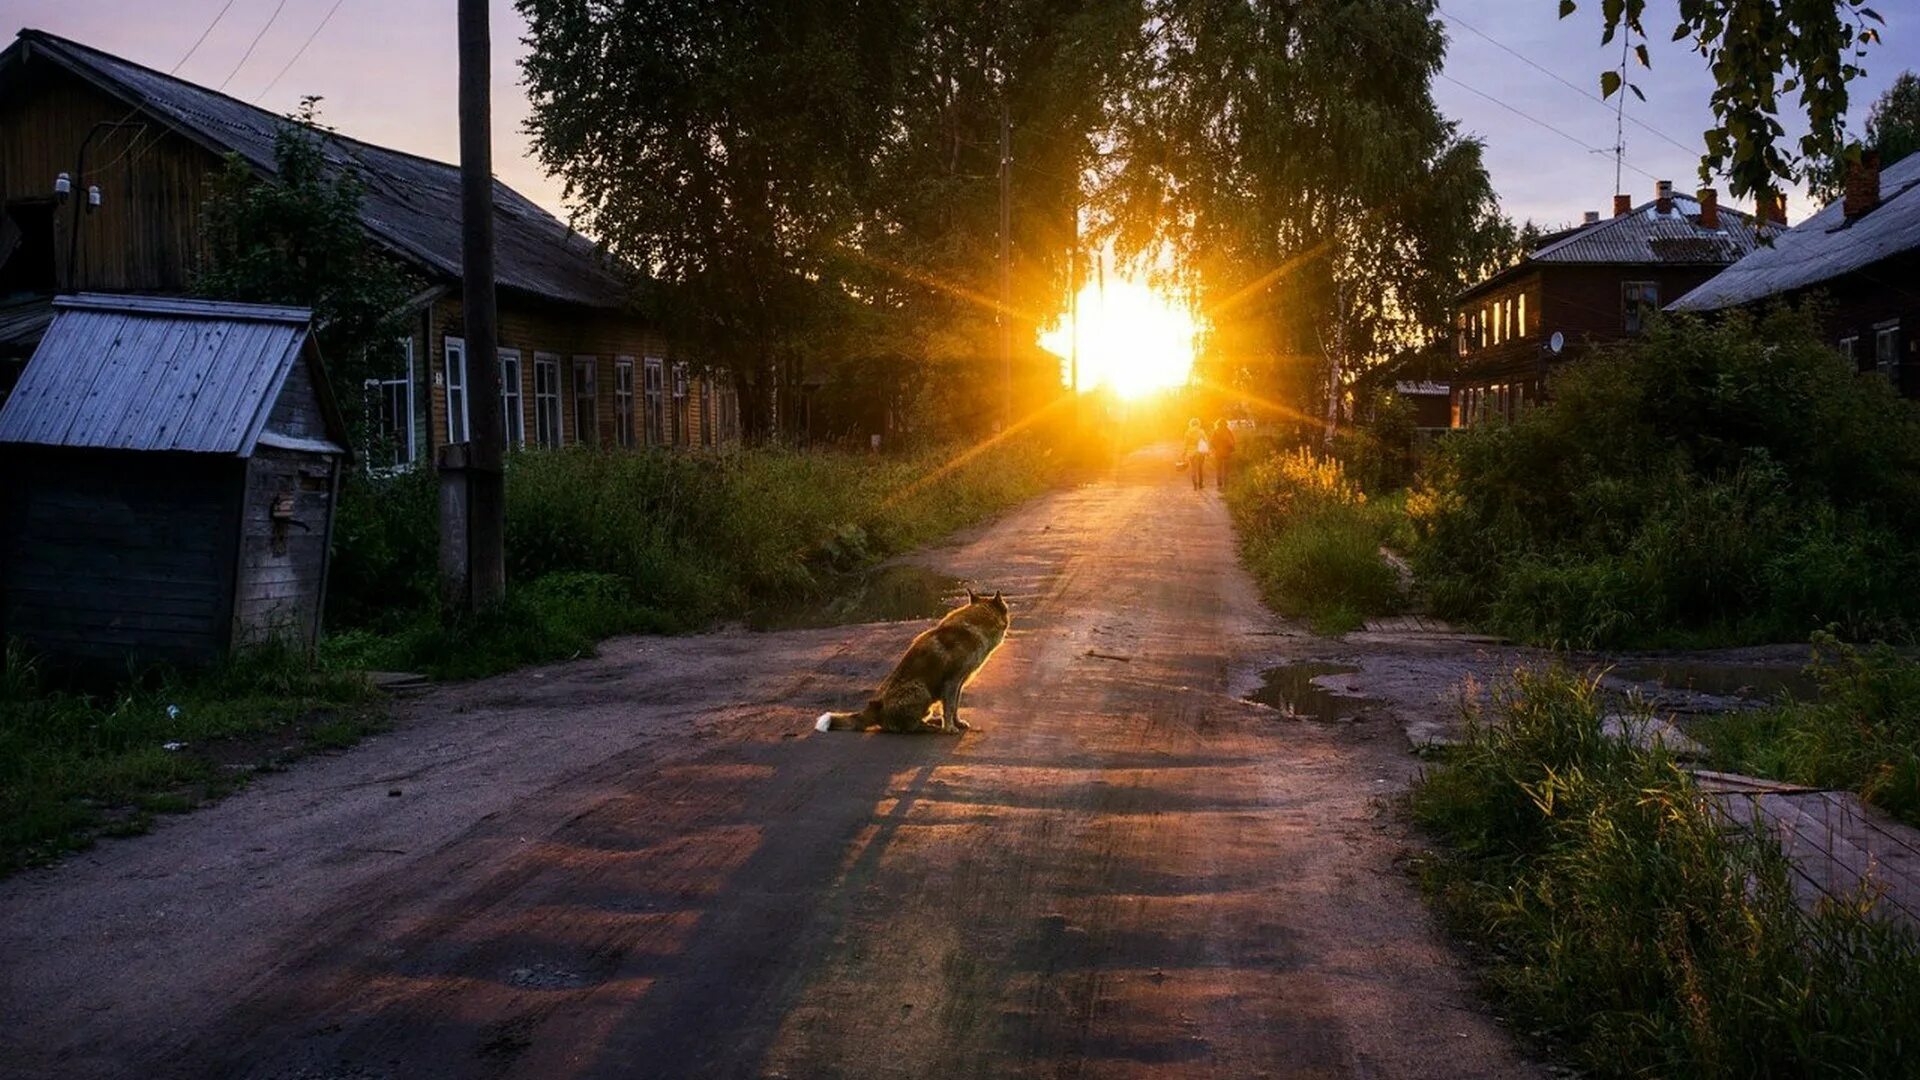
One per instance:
(654, 388)
(682, 430)
(1638, 300)
(623, 401)
(1886, 349)
(379, 389)
(513, 417)
(587, 434)
(454, 360)
(547, 395)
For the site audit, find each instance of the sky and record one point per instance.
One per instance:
(386, 69)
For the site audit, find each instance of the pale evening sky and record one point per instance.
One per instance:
(387, 71)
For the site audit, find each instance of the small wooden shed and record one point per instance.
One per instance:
(168, 474)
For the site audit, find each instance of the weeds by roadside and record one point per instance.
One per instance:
(1624, 923)
(1312, 540)
(1862, 733)
(76, 764)
(601, 544)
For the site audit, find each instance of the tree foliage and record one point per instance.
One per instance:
(294, 236)
(1290, 158)
(1759, 52)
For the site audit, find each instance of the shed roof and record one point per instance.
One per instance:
(1821, 248)
(164, 374)
(1644, 237)
(411, 203)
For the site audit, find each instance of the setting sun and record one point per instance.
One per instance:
(1133, 339)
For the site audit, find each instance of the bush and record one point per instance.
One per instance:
(1861, 734)
(1720, 483)
(603, 543)
(1312, 540)
(1620, 917)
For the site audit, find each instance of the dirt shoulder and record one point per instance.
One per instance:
(647, 864)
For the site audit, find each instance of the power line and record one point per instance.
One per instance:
(202, 39)
(298, 53)
(1557, 77)
(178, 64)
(248, 55)
(1563, 133)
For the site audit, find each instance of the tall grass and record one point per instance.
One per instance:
(1861, 734)
(1623, 921)
(77, 762)
(601, 543)
(1312, 539)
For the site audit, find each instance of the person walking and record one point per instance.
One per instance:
(1197, 450)
(1222, 443)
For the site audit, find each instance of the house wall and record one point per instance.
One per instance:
(145, 234)
(106, 555)
(1878, 298)
(280, 584)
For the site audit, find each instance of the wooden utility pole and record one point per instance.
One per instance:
(472, 480)
(1006, 264)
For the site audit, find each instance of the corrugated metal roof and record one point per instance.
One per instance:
(410, 203)
(1642, 237)
(145, 373)
(1821, 248)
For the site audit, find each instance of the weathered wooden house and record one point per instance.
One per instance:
(578, 367)
(1592, 284)
(168, 472)
(1861, 255)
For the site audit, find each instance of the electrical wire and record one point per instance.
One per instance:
(248, 55)
(298, 53)
(178, 64)
(202, 39)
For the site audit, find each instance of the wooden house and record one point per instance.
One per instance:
(578, 367)
(1861, 255)
(168, 472)
(1590, 285)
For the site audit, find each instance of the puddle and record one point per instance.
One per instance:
(1750, 681)
(1291, 689)
(889, 594)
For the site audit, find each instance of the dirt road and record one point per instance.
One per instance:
(648, 865)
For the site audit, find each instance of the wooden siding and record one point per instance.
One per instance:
(282, 564)
(145, 234)
(113, 555)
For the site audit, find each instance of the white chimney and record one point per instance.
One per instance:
(1592, 218)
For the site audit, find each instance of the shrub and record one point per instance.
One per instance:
(1713, 483)
(1619, 916)
(1312, 540)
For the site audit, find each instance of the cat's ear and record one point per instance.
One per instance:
(972, 597)
(997, 600)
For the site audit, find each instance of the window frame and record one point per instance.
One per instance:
(1887, 362)
(1637, 300)
(623, 401)
(380, 388)
(450, 348)
(586, 434)
(653, 389)
(513, 417)
(548, 423)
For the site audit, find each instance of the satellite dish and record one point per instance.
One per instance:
(1557, 342)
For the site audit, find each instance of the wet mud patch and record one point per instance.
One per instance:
(1748, 682)
(894, 593)
(1292, 689)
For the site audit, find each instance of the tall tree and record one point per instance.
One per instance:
(716, 143)
(294, 236)
(1289, 155)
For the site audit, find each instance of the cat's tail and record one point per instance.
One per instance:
(838, 721)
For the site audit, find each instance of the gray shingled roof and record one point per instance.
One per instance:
(412, 203)
(151, 373)
(1821, 248)
(1643, 236)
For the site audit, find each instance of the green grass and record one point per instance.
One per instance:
(76, 764)
(1862, 734)
(600, 544)
(1630, 930)
(1312, 540)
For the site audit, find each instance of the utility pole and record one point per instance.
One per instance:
(472, 481)
(1006, 263)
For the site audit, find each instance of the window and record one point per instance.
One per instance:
(680, 433)
(706, 413)
(1520, 321)
(1493, 327)
(1850, 348)
(656, 406)
(513, 424)
(456, 384)
(1886, 350)
(390, 412)
(546, 399)
(1460, 333)
(623, 400)
(1638, 300)
(586, 402)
